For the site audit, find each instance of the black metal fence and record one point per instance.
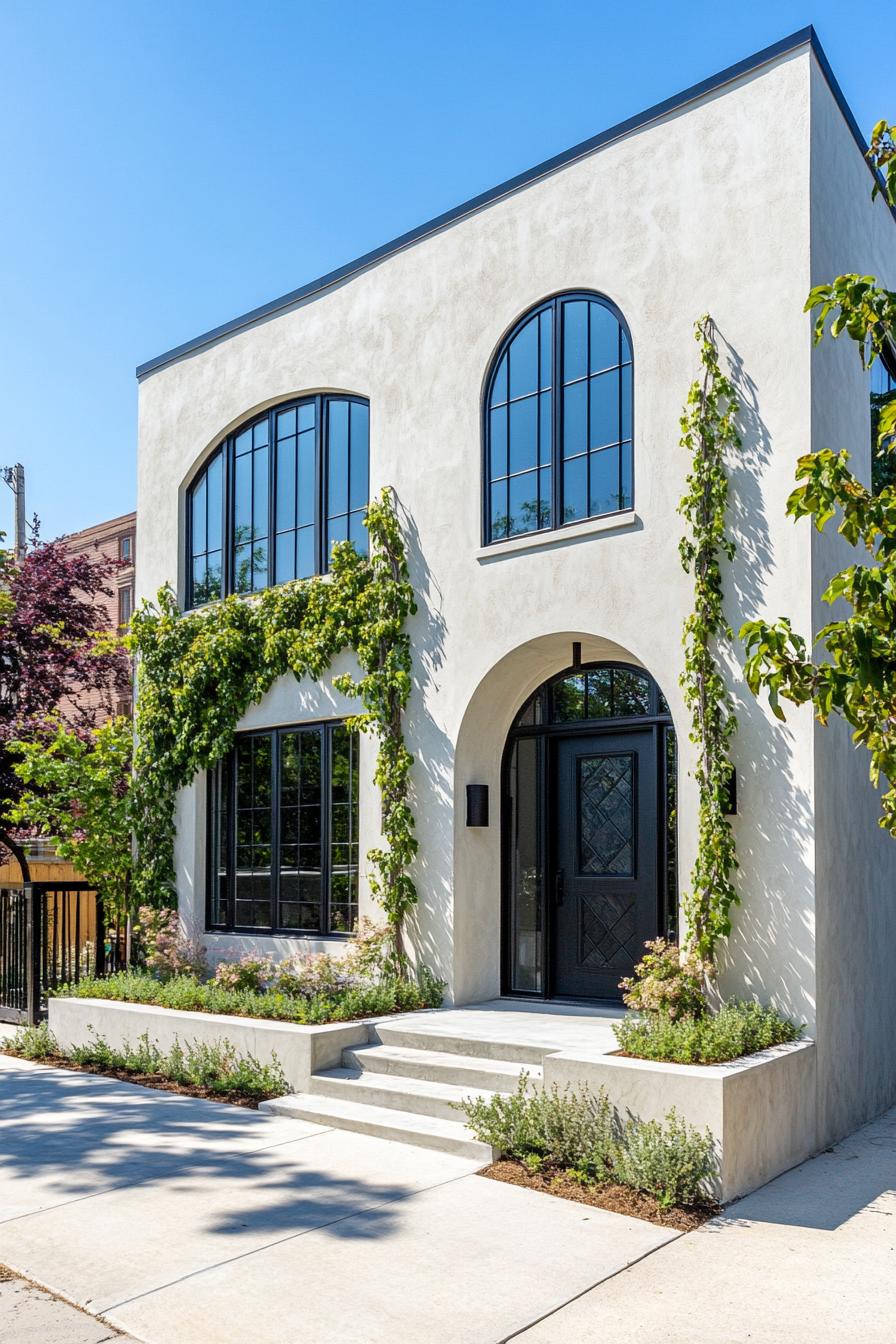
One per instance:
(51, 934)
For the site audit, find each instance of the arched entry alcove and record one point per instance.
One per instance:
(482, 913)
(588, 839)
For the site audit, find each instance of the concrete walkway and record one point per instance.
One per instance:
(809, 1259)
(29, 1315)
(181, 1220)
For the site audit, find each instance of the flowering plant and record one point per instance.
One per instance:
(310, 973)
(252, 971)
(668, 979)
(369, 952)
(168, 950)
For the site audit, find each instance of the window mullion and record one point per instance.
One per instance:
(273, 454)
(321, 431)
(231, 839)
(275, 829)
(326, 783)
(227, 521)
(557, 415)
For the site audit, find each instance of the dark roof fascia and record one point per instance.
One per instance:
(803, 37)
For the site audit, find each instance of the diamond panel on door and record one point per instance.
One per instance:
(606, 815)
(607, 932)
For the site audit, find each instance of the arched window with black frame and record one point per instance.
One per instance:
(276, 495)
(558, 419)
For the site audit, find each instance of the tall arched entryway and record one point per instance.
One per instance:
(588, 832)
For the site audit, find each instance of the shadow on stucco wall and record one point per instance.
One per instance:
(771, 952)
(430, 925)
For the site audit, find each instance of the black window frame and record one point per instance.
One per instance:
(556, 523)
(322, 401)
(326, 728)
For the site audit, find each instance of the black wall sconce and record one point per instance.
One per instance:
(477, 804)
(731, 800)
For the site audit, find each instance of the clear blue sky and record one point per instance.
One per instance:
(168, 165)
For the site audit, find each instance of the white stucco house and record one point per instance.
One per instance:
(515, 370)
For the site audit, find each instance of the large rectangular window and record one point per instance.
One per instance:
(283, 832)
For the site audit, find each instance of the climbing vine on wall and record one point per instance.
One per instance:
(709, 434)
(199, 672)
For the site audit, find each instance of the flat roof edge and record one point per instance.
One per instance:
(802, 37)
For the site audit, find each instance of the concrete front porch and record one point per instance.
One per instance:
(546, 1026)
(407, 1080)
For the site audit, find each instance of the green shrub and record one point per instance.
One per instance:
(34, 1042)
(671, 1161)
(579, 1134)
(563, 1129)
(188, 994)
(215, 1066)
(737, 1029)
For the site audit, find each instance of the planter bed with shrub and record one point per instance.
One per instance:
(300, 1012)
(572, 1144)
(742, 1072)
(214, 1071)
(735, 1031)
(186, 993)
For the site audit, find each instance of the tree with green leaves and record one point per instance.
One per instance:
(75, 787)
(856, 675)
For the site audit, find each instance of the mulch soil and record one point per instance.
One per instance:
(614, 1198)
(153, 1080)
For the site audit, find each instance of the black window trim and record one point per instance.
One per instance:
(554, 302)
(225, 448)
(275, 930)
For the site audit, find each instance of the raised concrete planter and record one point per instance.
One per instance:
(300, 1050)
(761, 1110)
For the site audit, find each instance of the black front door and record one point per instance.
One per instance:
(605, 904)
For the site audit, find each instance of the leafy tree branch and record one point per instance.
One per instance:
(856, 677)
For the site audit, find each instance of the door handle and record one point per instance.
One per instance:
(559, 886)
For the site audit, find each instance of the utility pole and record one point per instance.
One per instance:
(15, 479)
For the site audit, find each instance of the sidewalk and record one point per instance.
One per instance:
(29, 1315)
(183, 1221)
(809, 1259)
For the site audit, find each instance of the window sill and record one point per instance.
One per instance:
(293, 936)
(627, 520)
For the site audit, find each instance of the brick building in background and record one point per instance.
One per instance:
(116, 539)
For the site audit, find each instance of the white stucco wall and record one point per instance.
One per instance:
(706, 209)
(855, 860)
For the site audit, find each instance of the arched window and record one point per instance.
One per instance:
(558, 419)
(276, 495)
(205, 517)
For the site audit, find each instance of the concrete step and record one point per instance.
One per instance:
(445, 1042)
(395, 1092)
(423, 1131)
(462, 1071)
